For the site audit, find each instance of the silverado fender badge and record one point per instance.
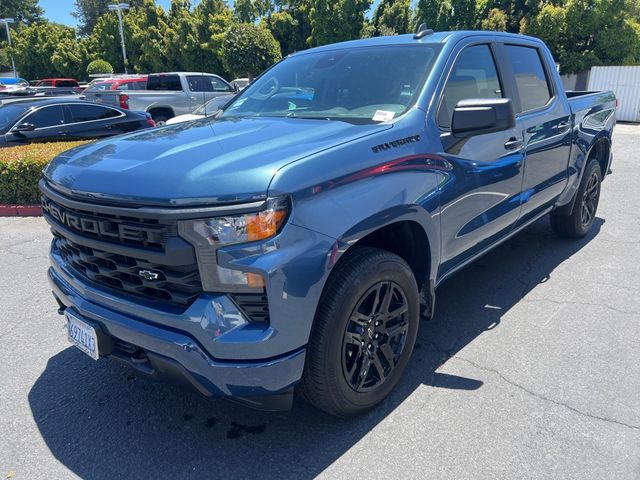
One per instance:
(148, 274)
(395, 143)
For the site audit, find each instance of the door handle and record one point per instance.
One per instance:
(513, 144)
(562, 126)
(63, 132)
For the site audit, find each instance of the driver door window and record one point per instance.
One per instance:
(46, 117)
(473, 76)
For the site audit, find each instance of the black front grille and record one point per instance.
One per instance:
(255, 306)
(125, 230)
(178, 285)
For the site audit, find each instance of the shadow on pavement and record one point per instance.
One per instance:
(102, 421)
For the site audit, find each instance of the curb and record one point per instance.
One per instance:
(8, 210)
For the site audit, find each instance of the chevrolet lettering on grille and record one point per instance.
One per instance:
(104, 228)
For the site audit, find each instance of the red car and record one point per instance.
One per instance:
(58, 82)
(137, 83)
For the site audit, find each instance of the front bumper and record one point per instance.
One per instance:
(170, 354)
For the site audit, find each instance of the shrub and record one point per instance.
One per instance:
(99, 66)
(21, 170)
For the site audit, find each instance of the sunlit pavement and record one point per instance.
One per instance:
(531, 369)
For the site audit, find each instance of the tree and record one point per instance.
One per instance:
(104, 41)
(550, 25)
(23, 11)
(183, 50)
(87, 12)
(245, 11)
(426, 12)
(99, 66)
(146, 43)
(522, 10)
(583, 33)
(48, 49)
(284, 29)
(496, 20)
(289, 24)
(249, 49)
(391, 17)
(336, 20)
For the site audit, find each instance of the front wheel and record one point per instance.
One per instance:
(364, 333)
(578, 224)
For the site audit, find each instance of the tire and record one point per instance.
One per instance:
(352, 331)
(578, 224)
(160, 120)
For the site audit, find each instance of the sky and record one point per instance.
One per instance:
(60, 10)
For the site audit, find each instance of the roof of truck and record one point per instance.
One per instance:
(408, 39)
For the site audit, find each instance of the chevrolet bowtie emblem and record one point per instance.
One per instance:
(148, 274)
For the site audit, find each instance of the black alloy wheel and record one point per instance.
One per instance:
(375, 336)
(590, 200)
(364, 332)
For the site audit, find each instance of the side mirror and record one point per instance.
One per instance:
(24, 127)
(482, 115)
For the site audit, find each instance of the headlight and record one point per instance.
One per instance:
(209, 234)
(248, 227)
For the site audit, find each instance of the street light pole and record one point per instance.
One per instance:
(6, 22)
(118, 9)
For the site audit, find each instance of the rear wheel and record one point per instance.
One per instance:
(578, 224)
(363, 335)
(160, 120)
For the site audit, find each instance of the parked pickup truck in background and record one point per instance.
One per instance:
(168, 94)
(296, 238)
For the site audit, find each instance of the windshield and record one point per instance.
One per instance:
(100, 86)
(10, 113)
(212, 106)
(367, 84)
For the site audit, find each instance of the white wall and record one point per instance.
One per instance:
(625, 83)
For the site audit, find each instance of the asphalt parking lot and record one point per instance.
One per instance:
(531, 369)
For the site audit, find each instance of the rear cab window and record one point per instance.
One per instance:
(164, 82)
(66, 83)
(532, 83)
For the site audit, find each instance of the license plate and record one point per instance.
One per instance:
(82, 335)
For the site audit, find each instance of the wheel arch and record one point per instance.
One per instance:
(599, 149)
(161, 109)
(410, 233)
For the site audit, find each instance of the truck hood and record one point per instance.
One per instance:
(202, 162)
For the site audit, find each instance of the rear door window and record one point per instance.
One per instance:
(46, 117)
(531, 80)
(207, 83)
(199, 83)
(474, 75)
(164, 82)
(88, 113)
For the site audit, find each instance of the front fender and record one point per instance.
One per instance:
(354, 210)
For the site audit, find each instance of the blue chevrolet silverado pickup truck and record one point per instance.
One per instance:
(295, 240)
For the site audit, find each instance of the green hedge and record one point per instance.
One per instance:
(21, 169)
